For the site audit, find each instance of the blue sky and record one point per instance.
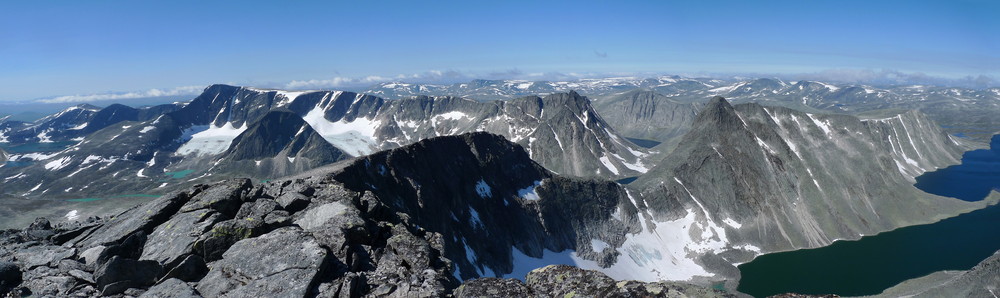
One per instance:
(85, 47)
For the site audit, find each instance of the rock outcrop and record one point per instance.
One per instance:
(569, 281)
(645, 114)
(983, 280)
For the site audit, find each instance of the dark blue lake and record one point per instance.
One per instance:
(874, 263)
(972, 180)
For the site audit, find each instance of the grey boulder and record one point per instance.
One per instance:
(282, 263)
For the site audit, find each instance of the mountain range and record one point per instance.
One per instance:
(970, 112)
(238, 131)
(649, 180)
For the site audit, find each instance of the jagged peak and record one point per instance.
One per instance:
(717, 112)
(719, 101)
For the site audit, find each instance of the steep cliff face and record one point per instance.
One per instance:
(648, 115)
(490, 201)
(779, 179)
(278, 145)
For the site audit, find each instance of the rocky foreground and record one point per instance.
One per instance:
(301, 237)
(296, 239)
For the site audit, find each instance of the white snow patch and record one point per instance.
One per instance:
(356, 138)
(637, 166)
(289, 96)
(474, 217)
(528, 193)
(483, 189)
(453, 115)
(32, 156)
(732, 223)
(211, 141)
(597, 245)
(32, 189)
(72, 215)
(607, 164)
(664, 252)
(822, 124)
(79, 127)
(58, 164)
(522, 263)
(43, 137)
(147, 129)
(828, 86)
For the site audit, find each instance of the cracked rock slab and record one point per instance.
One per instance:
(282, 263)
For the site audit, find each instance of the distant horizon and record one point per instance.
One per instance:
(862, 77)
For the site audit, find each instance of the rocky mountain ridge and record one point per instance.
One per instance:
(561, 130)
(962, 110)
(780, 179)
(369, 226)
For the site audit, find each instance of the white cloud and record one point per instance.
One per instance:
(432, 76)
(185, 90)
(335, 82)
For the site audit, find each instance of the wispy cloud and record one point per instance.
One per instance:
(433, 76)
(186, 90)
(600, 54)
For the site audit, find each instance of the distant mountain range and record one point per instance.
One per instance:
(970, 112)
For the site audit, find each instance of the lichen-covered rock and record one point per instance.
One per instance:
(410, 267)
(142, 218)
(191, 269)
(41, 229)
(10, 276)
(562, 280)
(212, 244)
(493, 287)
(334, 225)
(171, 288)
(174, 239)
(569, 281)
(633, 288)
(282, 263)
(257, 210)
(226, 197)
(293, 201)
(119, 274)
(43, 255)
